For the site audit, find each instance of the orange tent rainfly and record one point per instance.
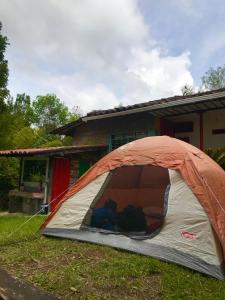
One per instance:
(156, 196)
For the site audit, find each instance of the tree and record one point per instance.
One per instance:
(22, 108)
(187, 90)
(5, 120)
(49, 112)
(214, 79)
(25, 137)
(3, 70)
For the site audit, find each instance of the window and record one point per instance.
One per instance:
(34, 170)
(183, 127)
(218, 131)
(117, 140)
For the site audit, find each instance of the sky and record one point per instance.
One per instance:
(98, 54)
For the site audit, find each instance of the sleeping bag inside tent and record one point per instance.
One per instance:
(156, 196)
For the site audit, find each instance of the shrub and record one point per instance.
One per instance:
(218, 155)
(9, 178)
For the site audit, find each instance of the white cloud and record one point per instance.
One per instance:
(93, 97)
(157, 75)
(94, 54)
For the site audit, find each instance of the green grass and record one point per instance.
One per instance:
(76, 270)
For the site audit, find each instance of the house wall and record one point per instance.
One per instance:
(74, 169)
(194, 135)
(214, 120)
(90, 157)
(98, 131)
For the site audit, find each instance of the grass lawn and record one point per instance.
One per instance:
(76, 270)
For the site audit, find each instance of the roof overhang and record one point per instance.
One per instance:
(68, 128)
(52, 151)
(188, 108)
(181, 106)
(166, 107)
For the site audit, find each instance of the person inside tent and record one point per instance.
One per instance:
(105, 217)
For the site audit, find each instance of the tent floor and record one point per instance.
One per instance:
(136, 235)
(141, 247)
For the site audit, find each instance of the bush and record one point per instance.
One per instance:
(9, 178)
(218, 155)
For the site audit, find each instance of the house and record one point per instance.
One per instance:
(46, 174)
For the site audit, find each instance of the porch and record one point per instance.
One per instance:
(47, 173)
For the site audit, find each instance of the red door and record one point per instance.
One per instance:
(60, 180)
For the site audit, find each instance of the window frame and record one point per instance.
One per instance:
(22, 181)
(137, 134)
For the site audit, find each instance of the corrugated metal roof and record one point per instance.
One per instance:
(151, 103)
(163, 107)
(68, 128)
(50, 150)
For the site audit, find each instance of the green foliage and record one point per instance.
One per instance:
(67, 141)
(24, 124)
(25, 137)
(9, 178)
(6, 130)
(9, 168)
(53, 143)
(22, 108)
(49, 112)
(3, 70)
(218, 155)
(37, 177)
(187, 90)
(5, 121)
(214, 78)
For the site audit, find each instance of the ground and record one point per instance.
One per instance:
(76, 270)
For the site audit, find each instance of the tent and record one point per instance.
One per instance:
(178, 189)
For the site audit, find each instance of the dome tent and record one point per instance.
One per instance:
(193, 229)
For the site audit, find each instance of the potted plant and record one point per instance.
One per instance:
(38, 178)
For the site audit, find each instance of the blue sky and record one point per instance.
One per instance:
(97, 54)
(197, 26)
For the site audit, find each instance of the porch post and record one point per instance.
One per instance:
(20, 172)
(201, 131)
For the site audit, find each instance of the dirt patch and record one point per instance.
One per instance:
(146, 287)
(28, 268)
(149, 289)
(94, 254)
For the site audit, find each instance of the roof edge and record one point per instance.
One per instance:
(49, 150)
(188, 100)
(67, 128)
(141, 107)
